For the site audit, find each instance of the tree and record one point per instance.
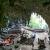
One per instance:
(3, 21)
(24, 8)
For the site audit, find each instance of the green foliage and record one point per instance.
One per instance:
(24, 8)
(3, 21)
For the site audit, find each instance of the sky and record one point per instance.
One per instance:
(37, 22)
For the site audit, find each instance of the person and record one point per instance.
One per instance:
(41, 44)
